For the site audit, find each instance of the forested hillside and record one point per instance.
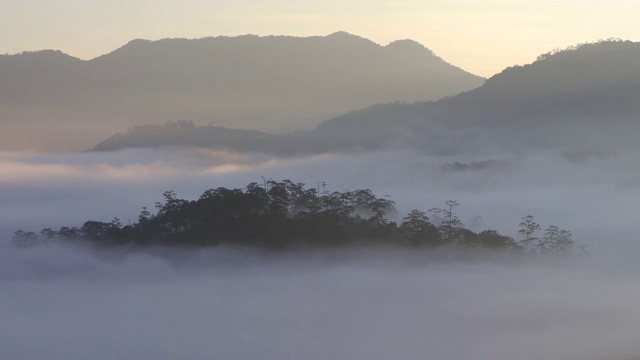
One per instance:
(278, 215)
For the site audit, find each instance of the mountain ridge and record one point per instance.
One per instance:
(582, 98)
(579, 86)
(248, 82)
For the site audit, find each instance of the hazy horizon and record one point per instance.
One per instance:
(480, 38)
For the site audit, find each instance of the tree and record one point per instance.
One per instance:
(528, 227)
(564, 243)
(279, 198)
(47, 234)
(450, 225)
(418, 230)
(556, 241)
(68, 233)
(171, 203)
(24, 239)
(116, 223)
(380, 208)
(144, 215)
(449, 212)
(492, 240)
(97, 230)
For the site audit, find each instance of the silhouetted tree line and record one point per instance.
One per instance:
(583, 46)
(287, 214)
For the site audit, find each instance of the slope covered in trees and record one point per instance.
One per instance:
(267, 83)
(285, 214)
(586, 91)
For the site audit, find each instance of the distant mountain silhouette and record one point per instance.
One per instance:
(186, 134)
(583, 100)
(585, 95)
(52, 100)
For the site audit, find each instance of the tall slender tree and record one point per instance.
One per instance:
(528, 228)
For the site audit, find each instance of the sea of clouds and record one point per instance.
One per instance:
(61, 302)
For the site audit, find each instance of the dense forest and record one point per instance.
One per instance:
(284, 214)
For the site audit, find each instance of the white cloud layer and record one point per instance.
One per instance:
(61, 303)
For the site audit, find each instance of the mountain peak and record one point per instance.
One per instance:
(408, 46)
(45, 58)
(341, 34)
(406, 43)
(137, 43)
(42, 54)
(345, 37)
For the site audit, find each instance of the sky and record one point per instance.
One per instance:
(481, 36)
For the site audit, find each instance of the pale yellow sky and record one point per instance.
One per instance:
(481, 36)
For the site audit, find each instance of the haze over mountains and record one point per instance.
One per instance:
(52, 101)
(589, 90)
(565, 97)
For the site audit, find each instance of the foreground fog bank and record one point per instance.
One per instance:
(65, 303)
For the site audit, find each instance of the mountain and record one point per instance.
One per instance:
(582, 100)
(52, 100)
(187, 134)
(584, 96)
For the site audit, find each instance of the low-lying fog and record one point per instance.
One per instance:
(62, 303)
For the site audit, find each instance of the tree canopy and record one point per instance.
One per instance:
(282, 214)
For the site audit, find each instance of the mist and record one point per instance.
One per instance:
(64, 302)
(590, 196)
(60, 303)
